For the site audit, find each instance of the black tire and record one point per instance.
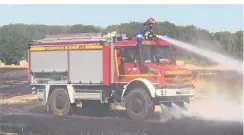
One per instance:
(138, 104)
(62, 106)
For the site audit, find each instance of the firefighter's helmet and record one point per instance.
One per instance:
(151, 21)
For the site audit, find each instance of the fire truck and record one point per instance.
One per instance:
(96, 70)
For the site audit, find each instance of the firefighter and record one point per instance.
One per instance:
(149, 28)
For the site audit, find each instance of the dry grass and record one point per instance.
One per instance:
(24, 99)
(12, 66)
(213, 96)
(1, 133)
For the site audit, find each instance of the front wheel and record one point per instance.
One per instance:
(138, 104)
(59, 102)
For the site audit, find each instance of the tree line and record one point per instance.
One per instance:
(14, 38)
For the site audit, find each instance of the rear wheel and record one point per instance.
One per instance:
(59, 102)
(138, 104)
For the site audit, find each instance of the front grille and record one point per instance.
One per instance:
(179, 80)
(179, 76)
(157, 86)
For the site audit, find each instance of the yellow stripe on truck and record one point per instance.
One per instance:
(146, 42)
(93, 47)
(67, 47)
(174, 72)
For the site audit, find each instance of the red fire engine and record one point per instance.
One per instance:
(95, 69)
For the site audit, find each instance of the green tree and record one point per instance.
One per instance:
(14, 37)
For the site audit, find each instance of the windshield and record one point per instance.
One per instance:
(154, 53)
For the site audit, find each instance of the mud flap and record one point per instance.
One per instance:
(47, 107)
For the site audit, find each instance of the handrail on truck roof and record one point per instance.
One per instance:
(91, 34)
(78, 37)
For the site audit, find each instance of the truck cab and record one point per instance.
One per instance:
(153, 60)
(151, 66)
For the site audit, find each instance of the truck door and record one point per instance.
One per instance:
(129, 62)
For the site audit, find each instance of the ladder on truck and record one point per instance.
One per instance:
(76, 37)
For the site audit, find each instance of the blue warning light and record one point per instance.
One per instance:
(139, 38)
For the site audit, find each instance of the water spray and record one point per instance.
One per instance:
(236, 65)
(179, 111)
(171, 110)
(166, 114)
(234, 113)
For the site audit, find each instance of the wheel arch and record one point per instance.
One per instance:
(68, 88)
(139, 83)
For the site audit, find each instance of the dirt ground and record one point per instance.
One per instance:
(216, 110)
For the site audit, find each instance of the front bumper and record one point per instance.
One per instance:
(175, 92)
(173, 95)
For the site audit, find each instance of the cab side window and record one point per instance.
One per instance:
(130, 55)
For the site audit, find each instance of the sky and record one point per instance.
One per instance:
(211, 17)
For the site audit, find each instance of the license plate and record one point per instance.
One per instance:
(187, 91)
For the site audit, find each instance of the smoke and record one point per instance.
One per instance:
(216, 99)
(217, 106)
